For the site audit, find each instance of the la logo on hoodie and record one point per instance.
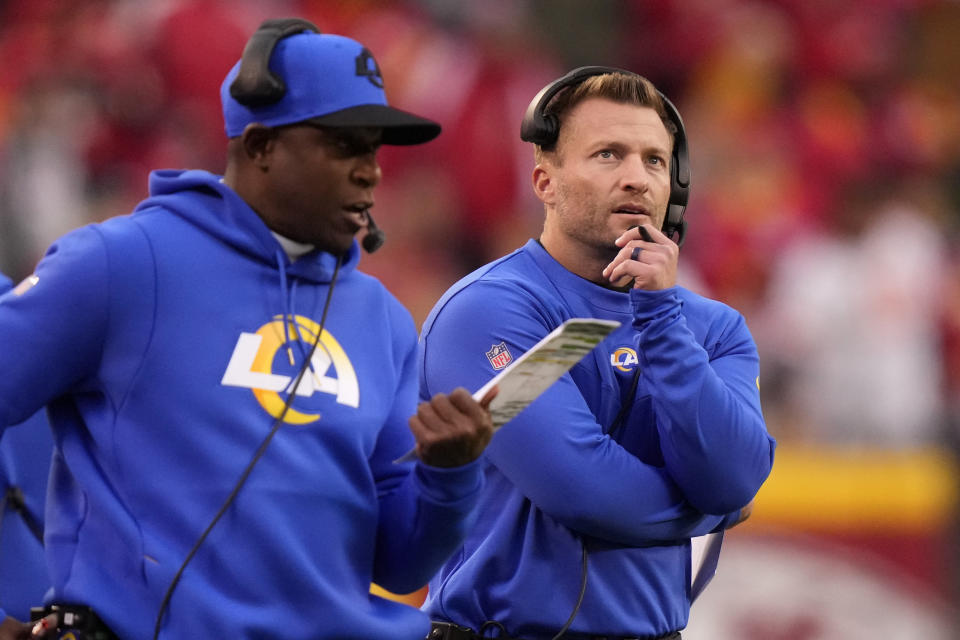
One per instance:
(252, 362)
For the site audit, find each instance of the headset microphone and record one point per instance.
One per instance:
(375, 236)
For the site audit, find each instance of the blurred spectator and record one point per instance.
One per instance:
(43, 180)
(853, 320)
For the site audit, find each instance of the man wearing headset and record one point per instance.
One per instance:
(230, 395)
(594, 491)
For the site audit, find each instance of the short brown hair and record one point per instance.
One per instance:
(618, 87)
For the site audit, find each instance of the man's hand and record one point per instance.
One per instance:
(452, 430)
(13, 629)
(647, 256)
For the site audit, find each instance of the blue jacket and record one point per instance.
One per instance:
(159, 342)
(25, 464)
(692, 450)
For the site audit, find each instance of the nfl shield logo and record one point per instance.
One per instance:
(499, 356)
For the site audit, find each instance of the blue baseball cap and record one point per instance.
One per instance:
(330, 81)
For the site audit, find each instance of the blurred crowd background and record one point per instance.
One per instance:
(825, 143)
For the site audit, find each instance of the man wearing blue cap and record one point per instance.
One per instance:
(229, 394)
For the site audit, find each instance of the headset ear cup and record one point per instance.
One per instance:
(673, 223)
(256, 85)
(547, 129)
(535, 127)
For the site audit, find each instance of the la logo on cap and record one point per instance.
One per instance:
(367, 66)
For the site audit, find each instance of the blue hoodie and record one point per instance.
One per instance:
(158, 341)
(692, 450)
(24, 464)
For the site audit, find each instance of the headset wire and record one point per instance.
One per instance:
(253, 461)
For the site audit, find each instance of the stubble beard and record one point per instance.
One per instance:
(592, 233)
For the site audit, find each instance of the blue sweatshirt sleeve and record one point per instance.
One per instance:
(425, 511)
(555, 451)
(52, 329)
(712, 433)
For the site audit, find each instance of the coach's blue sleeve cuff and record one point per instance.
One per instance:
(450, 485)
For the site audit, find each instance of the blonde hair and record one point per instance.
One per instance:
(618, 87)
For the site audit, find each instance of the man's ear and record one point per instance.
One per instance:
(258, 141)
(543, 183)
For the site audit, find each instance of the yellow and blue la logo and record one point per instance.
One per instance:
(624, 359)
(254, 362)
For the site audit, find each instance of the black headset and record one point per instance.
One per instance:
(543, 128)
(257, 86)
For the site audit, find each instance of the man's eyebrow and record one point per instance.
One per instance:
(603, 143)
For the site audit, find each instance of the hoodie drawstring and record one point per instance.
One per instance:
(288, 318)
(296, 330)
(291, 330)
(260, 450)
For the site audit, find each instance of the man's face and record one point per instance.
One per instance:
(610, 172)
(319, 182)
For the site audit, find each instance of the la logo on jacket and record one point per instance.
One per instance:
(624, 359)
(252, 364)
